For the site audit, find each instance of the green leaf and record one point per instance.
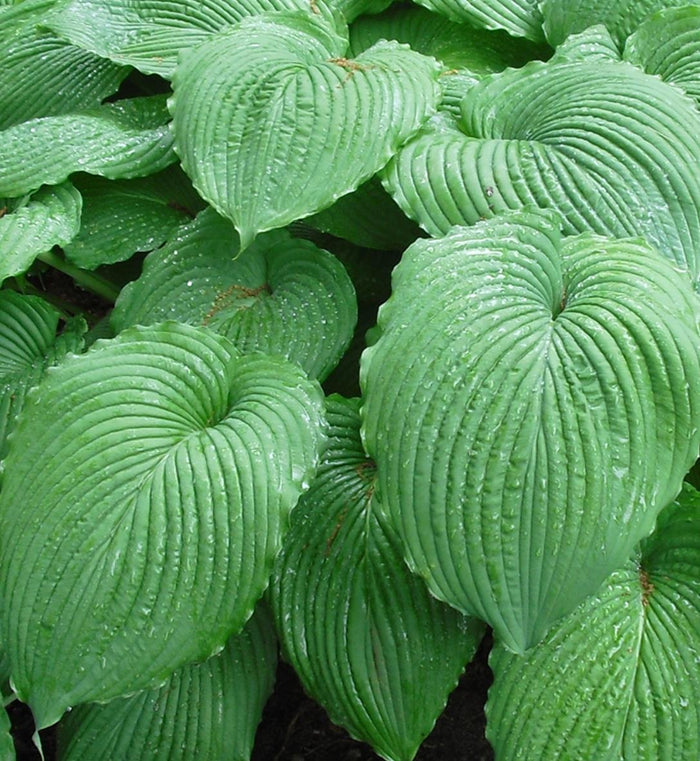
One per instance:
(35, 223)
(121, 217)
(282, 296)
(273, 124)
(618, 679)
(7, 746)
(668, 44)
(204, 711)
(520, 18)
(28, 345)
(365, 636)
(531, 404)
(150, 34)
(129, 138)
(368, 217)
(351, 9)
(45, 76)
(612, 149)
(156, 474)
(621, 17)
(593, 44)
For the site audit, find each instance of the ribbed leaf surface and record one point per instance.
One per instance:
(150, 34)
(28, 345)
(129, 138)
(7, 746)
(668, 44)
(156, 474)
(531, 404)
(520, 18)
(204, 711)
(121, 217)
(621, 17)
(614, 150)
(35, 223)
(282, 296)
(43, 75)
(365, 636)
(618, 679)
(273, 124)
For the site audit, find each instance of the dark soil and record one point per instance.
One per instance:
(295, 728)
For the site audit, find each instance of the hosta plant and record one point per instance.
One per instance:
(398, 340)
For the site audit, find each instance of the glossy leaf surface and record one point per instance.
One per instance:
(365, 636)
(531, 404)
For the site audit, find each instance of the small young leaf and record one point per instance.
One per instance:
(28, 345)
(617, 680)
(33, 224)
(129, 138)
(531, 404)
(272, 123)
(204, 711)
(365, 636)
(156, 474)
(282, 296)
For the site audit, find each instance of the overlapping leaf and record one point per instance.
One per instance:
(621, 17)
(156, 474)
(35, 223)
(617, 679)
(668, 44)
(43, 75)
(612, 149)
(150, 34)
(121, 217)
(520, 18)
(365, 636)
(272, 123)
(129, 138)
(28, 345)
(531, 404)
(282, 296)
(204, 711)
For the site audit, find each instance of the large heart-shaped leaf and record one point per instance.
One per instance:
(33, 224)
(204, 711)
(618, 679)
(121, 217)
(272, 123)
(282, 296)
(621, 17)
(614, 150)
(531, 404)
(668, 44)
(43, 75)
(520, 18)
(129, 138)
(150, 34)
(28, 345)
(156, 474)
(365, 636)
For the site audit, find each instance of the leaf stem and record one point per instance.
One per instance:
(90, 281)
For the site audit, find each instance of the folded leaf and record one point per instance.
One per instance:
(121, 217)
(618, 679)
(129, 138)
(282, 296)
(150, 34)
(520, 18)
(28, 345)
(43, 75)
(272, 123)
(668, 44)
(531, 404)
(208, 710)
(156, 474)
(612, 149)
(33, 224)
(365, 636)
